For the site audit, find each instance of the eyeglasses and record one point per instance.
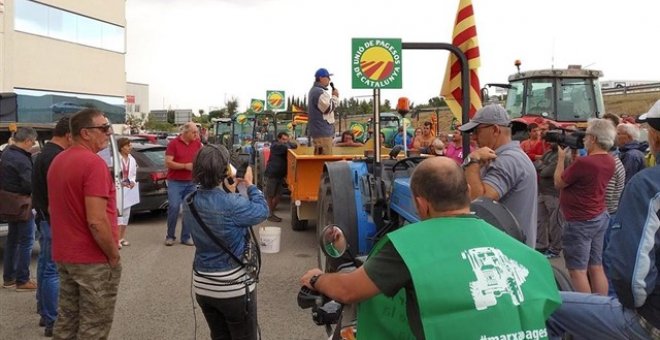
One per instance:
(103, 128)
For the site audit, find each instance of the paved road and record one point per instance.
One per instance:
(155, 300)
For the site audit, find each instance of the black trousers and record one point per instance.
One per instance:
(231, 319)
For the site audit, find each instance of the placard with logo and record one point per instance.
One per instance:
(376, 63)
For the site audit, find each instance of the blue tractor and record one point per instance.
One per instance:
(370, 197)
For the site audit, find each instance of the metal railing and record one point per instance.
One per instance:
(652, 87)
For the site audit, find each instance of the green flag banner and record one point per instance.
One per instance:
(257, 105)
(359, 131)
(376, 63)
(275, 100)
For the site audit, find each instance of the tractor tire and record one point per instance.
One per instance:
(336, 205)
(296, 224)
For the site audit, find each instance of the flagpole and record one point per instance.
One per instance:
(465, 79)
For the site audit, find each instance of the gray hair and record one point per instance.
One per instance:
(187, 127)
(603, 130)
(25, 133)
(210, 165)
(630, 129)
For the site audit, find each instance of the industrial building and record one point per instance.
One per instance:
(58, 56)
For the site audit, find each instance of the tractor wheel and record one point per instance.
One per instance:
(336, 204)
(296, 224)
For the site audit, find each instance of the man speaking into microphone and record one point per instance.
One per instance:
(322, 105)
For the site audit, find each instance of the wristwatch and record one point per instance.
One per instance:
(312, 281)
(468, 160)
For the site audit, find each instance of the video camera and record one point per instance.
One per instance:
(572, 139)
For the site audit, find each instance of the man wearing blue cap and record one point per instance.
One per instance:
(322, 105)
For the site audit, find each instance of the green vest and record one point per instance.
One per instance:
(472, 281)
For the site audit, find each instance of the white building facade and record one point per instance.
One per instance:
(59, 56)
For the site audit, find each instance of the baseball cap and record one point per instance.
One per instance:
(652, 117)
(322, 73)
(493, 114)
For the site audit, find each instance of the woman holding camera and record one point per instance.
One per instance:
(128, 175)
(225, 289)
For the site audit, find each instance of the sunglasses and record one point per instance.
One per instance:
(103, 128)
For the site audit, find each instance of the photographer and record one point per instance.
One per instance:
(633, 247)
(582, 202)
(224, 290)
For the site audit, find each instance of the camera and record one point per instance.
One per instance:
(572, 139)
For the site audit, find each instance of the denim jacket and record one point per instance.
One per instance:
(229, 216)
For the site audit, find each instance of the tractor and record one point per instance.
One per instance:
(370, 197)
(562, 97)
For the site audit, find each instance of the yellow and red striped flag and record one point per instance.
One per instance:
(296, 108)
(300, 116)
(465, 38)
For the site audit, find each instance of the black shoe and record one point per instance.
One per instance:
(48, 332)
(42, 322)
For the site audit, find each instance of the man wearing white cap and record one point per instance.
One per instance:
(321, 110)
(500, 169)
(634, 265)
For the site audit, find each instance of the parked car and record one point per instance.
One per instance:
(151, 176)
(136, 139)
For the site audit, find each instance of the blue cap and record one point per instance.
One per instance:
(322, 73)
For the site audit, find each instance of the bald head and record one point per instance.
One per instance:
(441, 182)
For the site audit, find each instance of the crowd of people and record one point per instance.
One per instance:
(596, 203)
(600, 210)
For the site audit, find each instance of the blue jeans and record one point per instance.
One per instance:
(18, 249)
(48, 280)
(176, 192)
(607, 261)
(590, 316)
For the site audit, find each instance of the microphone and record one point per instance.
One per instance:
(332, 85)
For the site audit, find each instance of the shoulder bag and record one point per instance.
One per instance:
(251, 260)
(15, 207)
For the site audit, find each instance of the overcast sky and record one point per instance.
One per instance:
(197, 54)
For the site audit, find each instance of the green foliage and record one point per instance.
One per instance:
(152, 125)
(218, 113)
(232, 106)
(205, 120)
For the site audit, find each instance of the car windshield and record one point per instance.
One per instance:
(155, 155)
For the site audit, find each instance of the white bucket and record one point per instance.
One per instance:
(270, 239)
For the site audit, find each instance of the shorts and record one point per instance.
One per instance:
(583, 242)
(274, 186)
(123, 219)
(322, 145)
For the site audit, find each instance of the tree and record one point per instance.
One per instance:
(218, 113)
(154, 125)
(232, 106)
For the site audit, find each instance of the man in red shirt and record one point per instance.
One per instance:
(179, 157)
(534, 146)
(83, 213)
(582, 202)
